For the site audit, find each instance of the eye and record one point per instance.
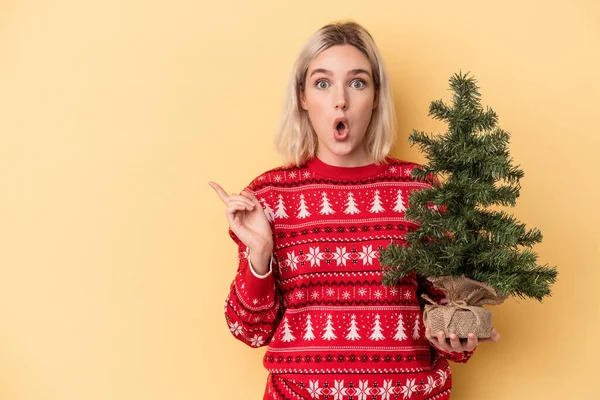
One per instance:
(358, 84)
(321, 84)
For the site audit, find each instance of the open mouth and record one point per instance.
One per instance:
(341, 128)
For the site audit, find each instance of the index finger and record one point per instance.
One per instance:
(220, 192)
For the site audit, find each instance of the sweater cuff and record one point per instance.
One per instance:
(256, 292)
(256, 274)
(457, 356)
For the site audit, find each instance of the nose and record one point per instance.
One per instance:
(341, 102)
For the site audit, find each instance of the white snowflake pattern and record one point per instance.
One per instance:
(313, 256)
(407, 172)
(407, 295)
(393, 169)
(256, 341)
(243, 313)
(346, 295)
(261, 178)
(330, 292)
(340, 255)
(306, 174)
(315, 295)
(378, 294)
(256, 319)
(255, 301)
(291, 260)
(368, 254)
(362, 291)
(410, 387)
(235, 328)
(292, 174)
(277, 178)
(299, 295)
(393, 291)
(430, 385)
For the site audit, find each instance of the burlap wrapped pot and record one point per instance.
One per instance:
(464, 312)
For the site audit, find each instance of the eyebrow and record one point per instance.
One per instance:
(351, 72)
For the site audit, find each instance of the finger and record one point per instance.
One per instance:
(238, 206)
(471, 342)
(248, 194)
(495, 336)
(432, 339)
(455, 343)
(428, 333)
(237, 197)
(220, 192)
(441, 337)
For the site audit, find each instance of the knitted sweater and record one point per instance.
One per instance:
(333, 330)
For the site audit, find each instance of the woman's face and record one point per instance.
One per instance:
(340, 96)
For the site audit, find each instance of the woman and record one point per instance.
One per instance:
(308, 283)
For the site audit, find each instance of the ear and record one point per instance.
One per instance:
(376, 99)
(302, 98)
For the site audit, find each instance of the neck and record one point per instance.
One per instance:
(358, 158)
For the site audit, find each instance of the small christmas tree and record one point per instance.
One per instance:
(287, 332)
(400, 331)
(351, 205)
(376, 335)
(302, 208)
(458, 236)
(353, 329)
(325, 205)
(280, 208)
(328, 332)
(268, 211)
(308, 335)
(376, 203)
(399, 205)
(416, 334)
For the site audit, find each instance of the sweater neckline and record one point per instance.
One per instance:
(333, 171)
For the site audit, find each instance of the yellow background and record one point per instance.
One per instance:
(115, 259)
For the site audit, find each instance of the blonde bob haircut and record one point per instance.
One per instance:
(295, 139)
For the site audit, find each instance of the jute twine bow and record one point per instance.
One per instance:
(463, 312)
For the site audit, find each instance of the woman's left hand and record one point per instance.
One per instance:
(456, 345)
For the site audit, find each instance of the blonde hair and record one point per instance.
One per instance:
(295, 139)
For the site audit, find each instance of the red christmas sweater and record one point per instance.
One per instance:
(333, 331)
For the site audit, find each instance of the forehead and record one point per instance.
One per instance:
(340, 59)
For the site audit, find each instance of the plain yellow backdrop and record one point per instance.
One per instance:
(115, 259)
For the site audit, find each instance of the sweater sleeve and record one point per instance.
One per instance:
(437, 295)
(253, 305)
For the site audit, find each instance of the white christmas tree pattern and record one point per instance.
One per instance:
(399, 206)
(353, 329)
(351, 205)
(287, 332)
(376, 203)
(268, 210)
(325, 205)
(308, 335)
(280, 208)
(302, 209)
(400, 332)
(416, 333)
(328, 332)
(376, 334)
